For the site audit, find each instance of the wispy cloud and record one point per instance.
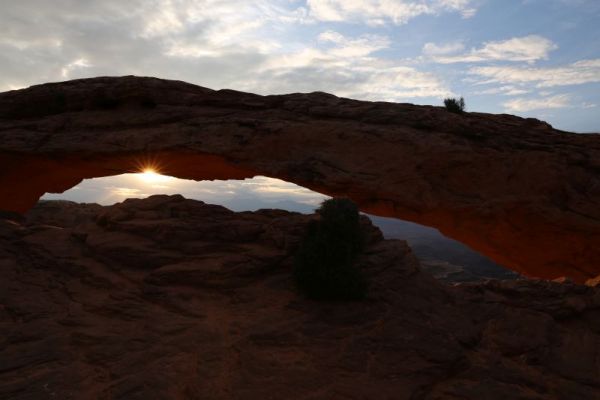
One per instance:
(79, 63)
(124, 192)
(358, 47)
(346, 66)
(523, 104)
(580, 72)
(507, 90)
(528, 48)
(432, 49)
(379, 12)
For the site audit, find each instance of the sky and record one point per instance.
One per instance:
(534, 58)
(238, 195)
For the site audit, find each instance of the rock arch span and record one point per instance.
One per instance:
(516, 190)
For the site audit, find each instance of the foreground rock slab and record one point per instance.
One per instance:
(517, 190)
(169, 298)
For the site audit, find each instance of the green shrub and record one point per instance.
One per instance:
(325, 266)
(455, 105)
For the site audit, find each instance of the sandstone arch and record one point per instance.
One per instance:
(517, 190)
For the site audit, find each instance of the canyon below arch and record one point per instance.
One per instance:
(518, 191)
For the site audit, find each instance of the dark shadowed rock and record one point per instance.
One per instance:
(169, 298)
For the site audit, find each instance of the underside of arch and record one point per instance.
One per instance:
(516, 190)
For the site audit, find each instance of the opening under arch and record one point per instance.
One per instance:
(510, 234)
(445, 258)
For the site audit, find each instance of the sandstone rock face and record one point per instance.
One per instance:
(168, 298)
(514, 189)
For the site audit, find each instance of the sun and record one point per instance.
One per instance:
(151, 175)
(150, 169)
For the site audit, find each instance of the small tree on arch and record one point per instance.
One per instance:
(454, 105)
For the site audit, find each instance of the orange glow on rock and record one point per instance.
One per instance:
(513, 189)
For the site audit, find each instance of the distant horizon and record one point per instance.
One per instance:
(240, 195)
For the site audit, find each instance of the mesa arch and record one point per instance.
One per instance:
(516, 190)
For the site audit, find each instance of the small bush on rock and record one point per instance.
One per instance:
(455, 105)
(325, 266)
